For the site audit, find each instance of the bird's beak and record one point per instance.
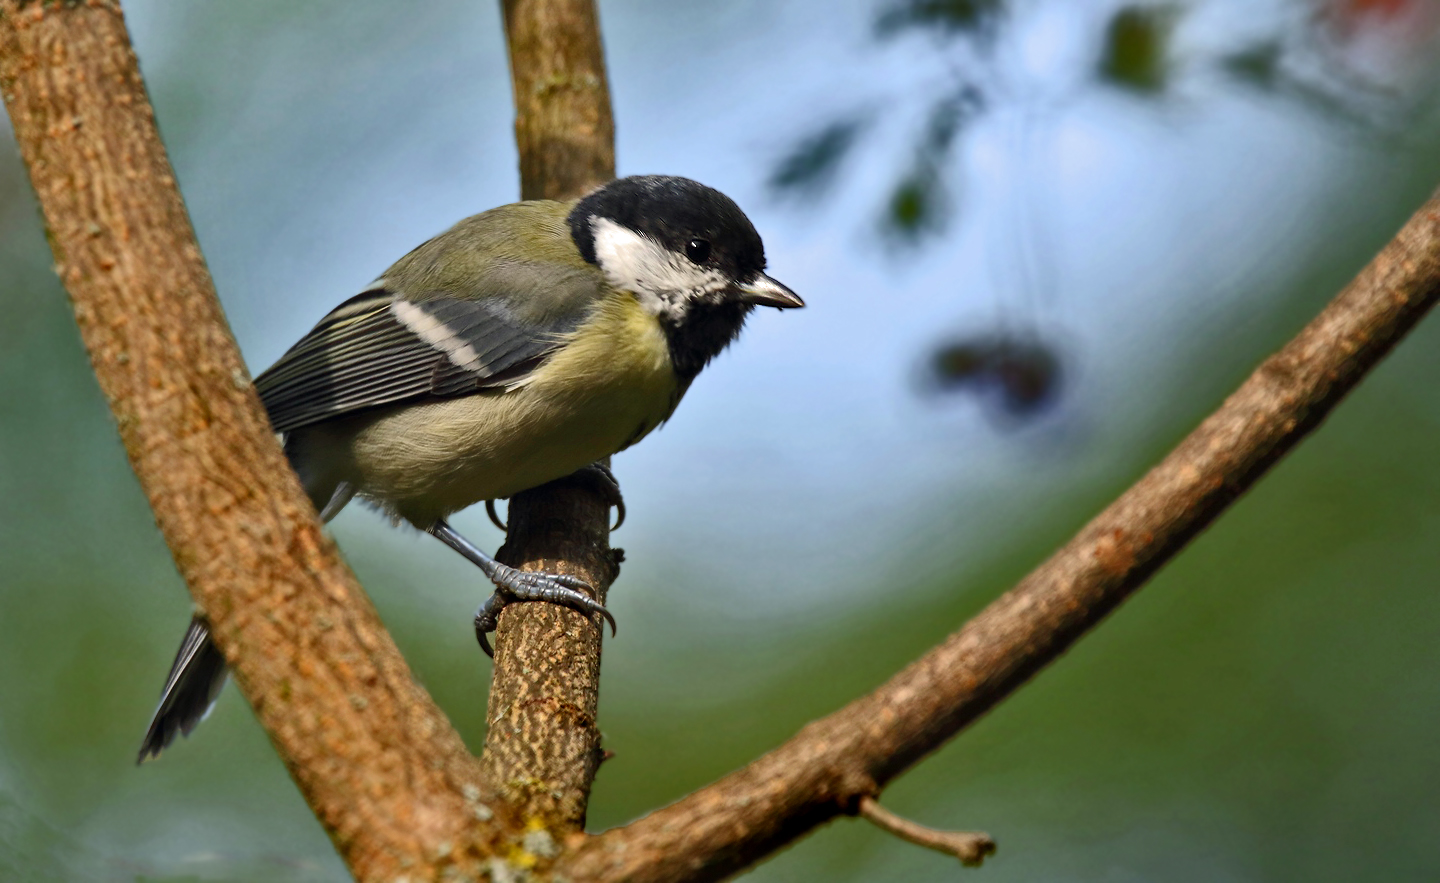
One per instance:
(762, 291)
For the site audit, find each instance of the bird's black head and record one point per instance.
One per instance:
(688, 254)
(682, 216)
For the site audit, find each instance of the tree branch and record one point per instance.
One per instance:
(379, 764)
(564, 127)
(836, 762)
(542, 744)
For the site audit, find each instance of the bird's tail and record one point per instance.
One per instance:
(195, 680)
(198, 672)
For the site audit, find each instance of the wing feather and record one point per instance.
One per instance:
(381, 348)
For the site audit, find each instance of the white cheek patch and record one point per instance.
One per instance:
(435, 333)
(661, 279)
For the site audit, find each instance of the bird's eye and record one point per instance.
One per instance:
(697, 250)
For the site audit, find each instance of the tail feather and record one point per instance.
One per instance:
(198, 672)
(195, 680)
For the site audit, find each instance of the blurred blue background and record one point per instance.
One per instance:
(1039, 240)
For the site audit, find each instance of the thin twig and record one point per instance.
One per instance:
(970, 847)
(835, 761)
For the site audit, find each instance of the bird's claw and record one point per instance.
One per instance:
(516, 585)
(494, 518)
(598, 477)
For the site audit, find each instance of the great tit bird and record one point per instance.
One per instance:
(520, 346)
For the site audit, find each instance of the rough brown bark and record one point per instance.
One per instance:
(835, 762)
(383, 770)
(542, 745)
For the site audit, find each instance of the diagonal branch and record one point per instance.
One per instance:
(834, 763)
(379, 764)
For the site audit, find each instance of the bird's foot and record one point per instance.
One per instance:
(518, 585)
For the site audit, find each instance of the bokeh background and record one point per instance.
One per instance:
(1039, 240)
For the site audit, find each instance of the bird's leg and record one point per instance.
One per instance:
(518, 585)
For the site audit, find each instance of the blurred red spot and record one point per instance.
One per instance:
(1406, 23)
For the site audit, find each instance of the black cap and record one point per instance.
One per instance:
(673, 211)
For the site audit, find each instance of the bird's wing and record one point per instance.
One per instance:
(382, 347)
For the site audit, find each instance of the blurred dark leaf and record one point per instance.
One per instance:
(921, 202)
(1367, 64)
(1137, 48)
(1018, 375)
(810, 167)
(1257, 65)
(918, 206)
(949, 17)
(1343, 101)
(948, 116)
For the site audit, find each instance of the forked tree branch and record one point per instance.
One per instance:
(379, 764)
(832, 764)
(542, 744)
